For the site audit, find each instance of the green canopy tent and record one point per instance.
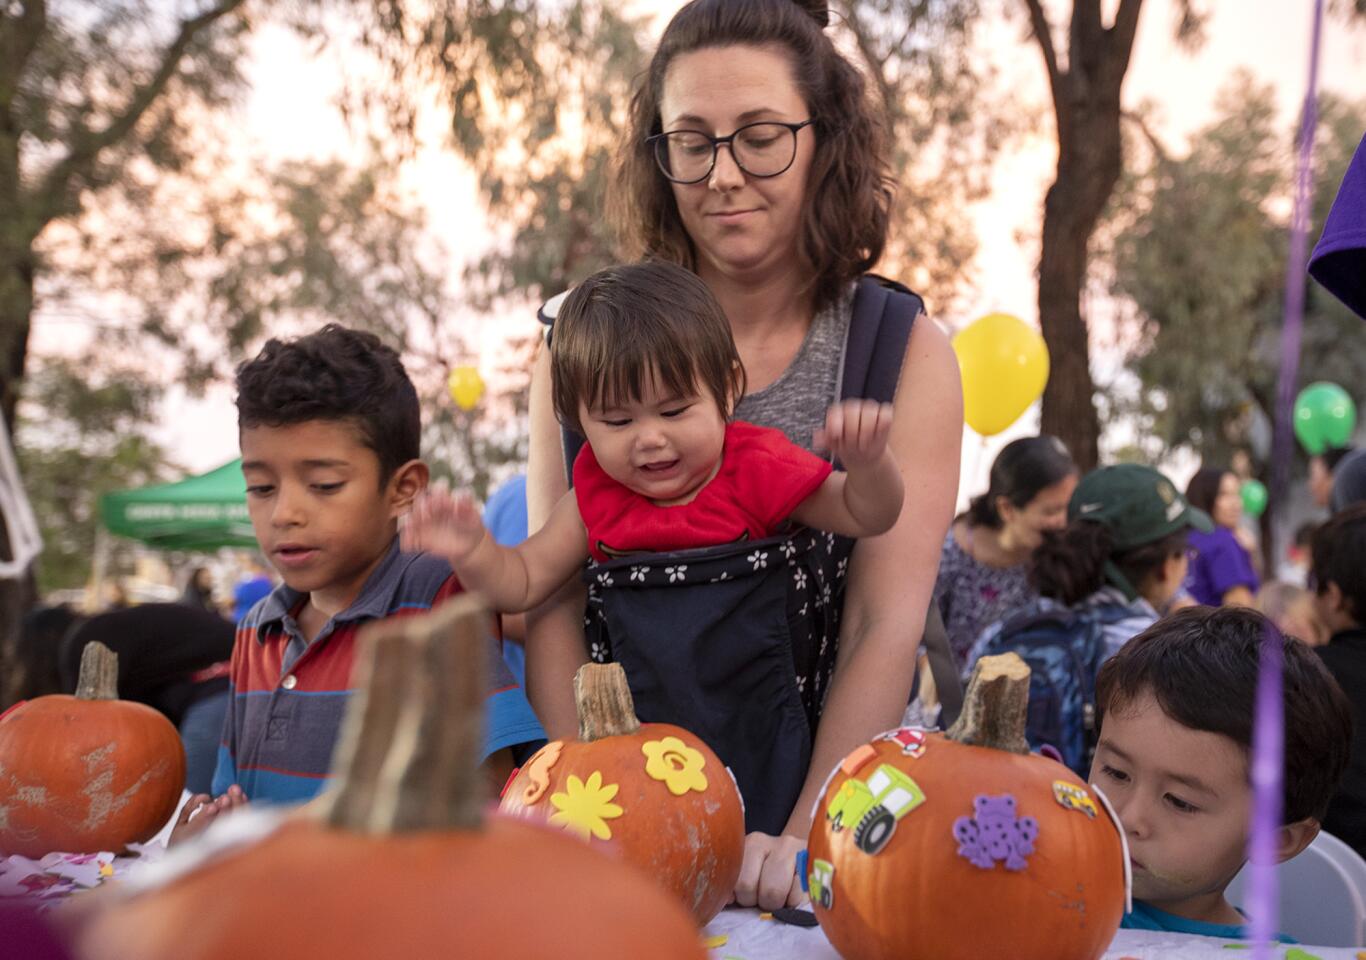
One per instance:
(198, 513)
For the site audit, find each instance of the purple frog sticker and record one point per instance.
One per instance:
(994, 833)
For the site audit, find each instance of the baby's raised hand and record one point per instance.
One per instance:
(444, 524)
(856, 431)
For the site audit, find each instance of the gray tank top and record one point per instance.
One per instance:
(797, 401)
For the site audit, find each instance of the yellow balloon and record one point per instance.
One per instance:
(1004, 363)
(466, 387)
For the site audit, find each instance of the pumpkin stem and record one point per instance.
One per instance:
(604, 701)
(407, 758)
(995, 706)
(99, 676)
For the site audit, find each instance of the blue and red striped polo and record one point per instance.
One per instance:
(288, 695)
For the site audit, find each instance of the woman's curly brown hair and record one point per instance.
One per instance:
(850, 187)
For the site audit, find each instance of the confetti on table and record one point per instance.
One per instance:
(720, 940)
(769, 916)
(1295, 953)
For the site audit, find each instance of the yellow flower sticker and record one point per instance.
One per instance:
(676, 763)
(585, 808)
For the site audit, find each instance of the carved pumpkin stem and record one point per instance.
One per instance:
(407, 758)
(99, 677)
(995, 706)
(604, 701)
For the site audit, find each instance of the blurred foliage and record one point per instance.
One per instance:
(1199, 253)
(538, 93)
(85, 436)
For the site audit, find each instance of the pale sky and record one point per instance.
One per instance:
(288, 116)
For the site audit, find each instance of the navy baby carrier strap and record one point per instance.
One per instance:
(751, 628)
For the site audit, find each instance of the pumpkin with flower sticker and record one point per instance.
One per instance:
(965, 845)
(654, 792)
(398, 858)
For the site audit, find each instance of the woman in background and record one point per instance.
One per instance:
(982, 566)
(1221, 571)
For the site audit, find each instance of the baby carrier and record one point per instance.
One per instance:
(756, 623)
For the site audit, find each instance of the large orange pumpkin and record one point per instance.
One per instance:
(86, 773)
(397, 858)
(654, 791)
(965, 845)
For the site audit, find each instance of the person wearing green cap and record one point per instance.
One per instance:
(1125, 544)
(1102, 580)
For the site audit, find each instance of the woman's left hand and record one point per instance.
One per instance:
(768, 876)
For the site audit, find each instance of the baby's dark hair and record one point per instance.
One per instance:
(625, 325)
(1200, 665)
(335, 374)
(1337, 552)
(1069, 565)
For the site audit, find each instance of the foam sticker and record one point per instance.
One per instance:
(821, 883)
(1072, 797)
(911, 741)
(995, 834)
(873, 807)
(1124, 844)
(860, 756)
(538, 771)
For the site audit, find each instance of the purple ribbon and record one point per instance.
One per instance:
(1268, 732)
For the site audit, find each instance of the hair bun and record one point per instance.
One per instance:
(818, 10)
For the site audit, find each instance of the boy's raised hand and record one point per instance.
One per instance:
(444, 524)
(856, 431)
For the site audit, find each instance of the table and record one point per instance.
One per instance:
(748, 937)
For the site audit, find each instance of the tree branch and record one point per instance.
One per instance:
(874, 63)
(1121, 38)
(87, 145)
(1138, 120)
(24, 35)
(1043, 33)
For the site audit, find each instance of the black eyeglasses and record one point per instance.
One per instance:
(763, 149)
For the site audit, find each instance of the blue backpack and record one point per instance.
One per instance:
(1064, 648)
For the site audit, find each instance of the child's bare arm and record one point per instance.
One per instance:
(512, 578)
(865, 498)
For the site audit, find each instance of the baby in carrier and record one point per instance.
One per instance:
(667, 491)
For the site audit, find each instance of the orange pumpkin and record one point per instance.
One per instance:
(965, 845)
(397, 858)
(86, 773)
(654, 791)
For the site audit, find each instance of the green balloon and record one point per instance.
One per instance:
(1324, 417)
(1254, 498)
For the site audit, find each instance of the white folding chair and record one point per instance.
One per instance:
(1323, 894)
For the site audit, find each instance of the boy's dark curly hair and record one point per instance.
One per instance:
(1200, 665)
(334, 374)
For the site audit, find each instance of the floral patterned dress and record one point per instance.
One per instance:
(972, 596)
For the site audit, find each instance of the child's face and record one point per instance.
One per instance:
(1183, 798)
(663, 447)
(317, 507)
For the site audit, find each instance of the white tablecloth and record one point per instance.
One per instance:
(748, 937)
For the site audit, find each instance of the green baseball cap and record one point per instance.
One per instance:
(1137, 503)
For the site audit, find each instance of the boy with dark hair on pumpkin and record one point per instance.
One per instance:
(329, 427)
(1176, 711)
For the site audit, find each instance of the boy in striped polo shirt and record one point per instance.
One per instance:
(329, 427)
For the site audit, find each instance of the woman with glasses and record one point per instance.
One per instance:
(757, 158)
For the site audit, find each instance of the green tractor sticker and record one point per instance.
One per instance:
(821, 883)
(874, 806)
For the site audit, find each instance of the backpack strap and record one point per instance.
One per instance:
(884, 313)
